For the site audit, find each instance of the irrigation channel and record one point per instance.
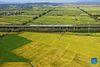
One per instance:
(51, 28)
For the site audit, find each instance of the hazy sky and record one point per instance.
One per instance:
(39, 0)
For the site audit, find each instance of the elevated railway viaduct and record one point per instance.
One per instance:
(51, 28)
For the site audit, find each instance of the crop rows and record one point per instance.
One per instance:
(65, 15)
(20, 19)
(59, 15)
(52, 50)
(93, 10)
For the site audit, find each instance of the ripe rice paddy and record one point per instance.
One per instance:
(58, 50)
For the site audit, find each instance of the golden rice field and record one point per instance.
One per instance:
(4, 33)
(58, 50)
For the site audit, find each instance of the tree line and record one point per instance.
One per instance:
(40, 15)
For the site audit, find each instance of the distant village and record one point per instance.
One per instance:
(10, 13)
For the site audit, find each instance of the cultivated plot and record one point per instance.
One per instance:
(58, 50)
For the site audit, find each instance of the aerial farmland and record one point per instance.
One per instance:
(24, 48)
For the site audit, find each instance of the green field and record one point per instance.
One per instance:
(94, 10)
(57, 50)
(9, 43)
(64, 20)
(59, 15)
(20, 19)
